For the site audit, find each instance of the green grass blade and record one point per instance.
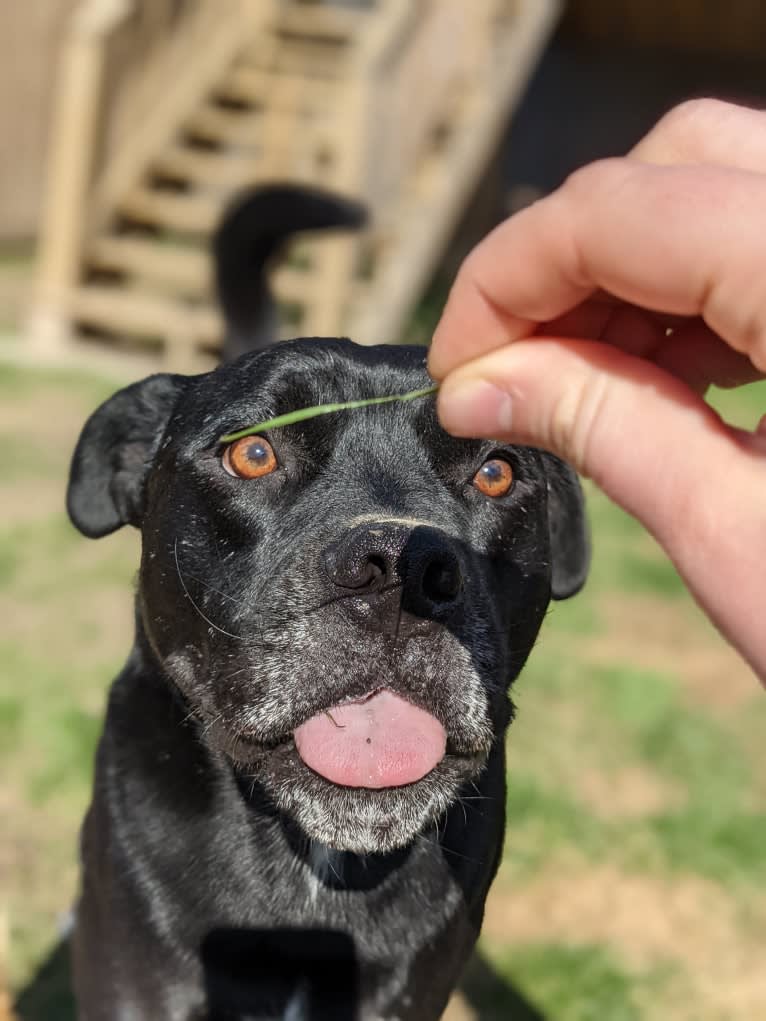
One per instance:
(323, 409)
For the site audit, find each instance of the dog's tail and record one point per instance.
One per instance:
(249, 237)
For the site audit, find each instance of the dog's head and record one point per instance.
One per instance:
(343, 602)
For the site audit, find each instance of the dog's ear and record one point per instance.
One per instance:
(568, 527)
(114, 454)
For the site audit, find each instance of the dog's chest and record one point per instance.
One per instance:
(410, 932)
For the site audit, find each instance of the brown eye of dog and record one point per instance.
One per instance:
(252, 457)
(494, 478)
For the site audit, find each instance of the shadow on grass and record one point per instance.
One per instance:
(48, 997)
(492, 997)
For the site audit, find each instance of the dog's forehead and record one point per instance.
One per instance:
(299, 374)
(324, 370)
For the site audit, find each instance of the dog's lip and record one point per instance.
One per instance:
(237, 746)
(351, 700)
(264, 747)
(246, 745)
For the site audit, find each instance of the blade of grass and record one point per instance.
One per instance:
(322, 409)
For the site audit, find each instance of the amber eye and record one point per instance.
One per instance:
(252, 457)
(494, 478)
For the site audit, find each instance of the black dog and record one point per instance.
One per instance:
(303, 758)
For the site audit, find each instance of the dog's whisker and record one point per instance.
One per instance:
(463, 857)
(210, 588)
(210, 724)
(191, 599)
(190, 715)
(398, 622)
(347, 595)
(333, 869)
(465, 814)
(236, 673)
(221, 561)
(438, 846)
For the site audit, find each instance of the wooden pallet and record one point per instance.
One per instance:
(399, 104)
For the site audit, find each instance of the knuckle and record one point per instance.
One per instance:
(740, 320)
(692, 115)
(576, 415)
(752, 340)
(594, 177)
(686, 127)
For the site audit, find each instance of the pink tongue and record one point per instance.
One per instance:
(384, 741)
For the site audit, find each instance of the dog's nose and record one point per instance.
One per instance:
(396, 579)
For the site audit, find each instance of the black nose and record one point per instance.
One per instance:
(396, 579)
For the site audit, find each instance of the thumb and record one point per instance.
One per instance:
(646, 439)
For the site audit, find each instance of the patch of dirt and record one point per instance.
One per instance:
(16, 284)
(628, 792)
(5, 996)
(457, 1010)
(53, 421)
(687, 921)
(53, 417)
(31, 500)
(104, 614)
(38, 876)
(658, 635)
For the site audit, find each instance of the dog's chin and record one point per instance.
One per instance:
(362, 820)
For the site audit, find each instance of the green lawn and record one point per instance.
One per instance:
(634, 880)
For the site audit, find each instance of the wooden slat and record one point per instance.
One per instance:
(125, 312)
(240, 129)
(323, 22)
(188, 270)
(312, 60)
(230, 170)
(185, 269)
(383, 33)
(211, 123)
(74, 134)
(186, 213)
(256, 85)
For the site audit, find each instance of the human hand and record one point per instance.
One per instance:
(591, 323)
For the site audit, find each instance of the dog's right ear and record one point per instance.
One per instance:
(568, 528)
(114, 453)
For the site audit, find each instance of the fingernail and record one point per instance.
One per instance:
(475, 407)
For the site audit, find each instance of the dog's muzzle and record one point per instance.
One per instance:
(397, 580)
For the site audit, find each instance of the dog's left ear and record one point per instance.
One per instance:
(568, 527)
(114, 453)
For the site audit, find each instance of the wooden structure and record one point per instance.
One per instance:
(736, 28)
(167, 108)
(30, 36)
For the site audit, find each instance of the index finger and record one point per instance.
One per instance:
(682, 240)
(707, 131)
